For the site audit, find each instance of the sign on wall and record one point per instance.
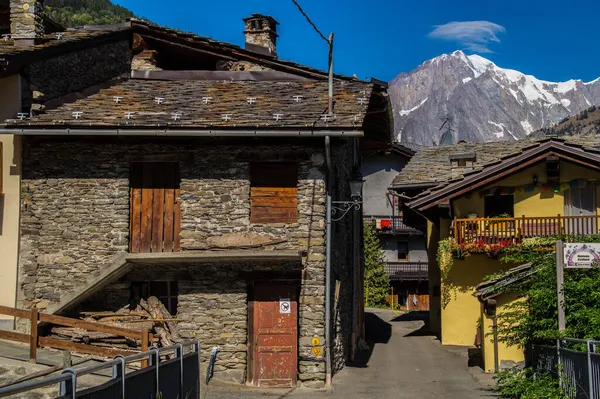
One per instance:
(581, 256)
(285, 306)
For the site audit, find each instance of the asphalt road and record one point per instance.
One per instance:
(404, 362)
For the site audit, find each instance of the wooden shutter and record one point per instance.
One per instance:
(155, 213)
(273, 193)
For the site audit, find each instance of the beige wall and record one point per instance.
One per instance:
(10, 105)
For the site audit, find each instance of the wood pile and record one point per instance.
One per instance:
(150, 314)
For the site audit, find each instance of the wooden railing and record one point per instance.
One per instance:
(514, 230)
(35, 341)
(407, 271)
(391, 225)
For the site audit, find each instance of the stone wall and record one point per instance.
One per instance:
(75, 215)
(61, 75)
(212, 307)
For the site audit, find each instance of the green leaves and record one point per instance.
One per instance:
(535, 320)
(523, 384)
(377, 282)
(70, 13)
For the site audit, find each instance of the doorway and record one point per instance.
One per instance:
(273, 331)
(155, 214)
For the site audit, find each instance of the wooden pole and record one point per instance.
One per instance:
(145, 341)
(560, 280)
(33, 337)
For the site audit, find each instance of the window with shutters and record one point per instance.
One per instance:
(273, 193)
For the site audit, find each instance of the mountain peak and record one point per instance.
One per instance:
(485, 102)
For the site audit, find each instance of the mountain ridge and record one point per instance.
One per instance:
(475, 100)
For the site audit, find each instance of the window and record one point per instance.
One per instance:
(273, 193)
(402, 250)
(499, 205)
(165, 291)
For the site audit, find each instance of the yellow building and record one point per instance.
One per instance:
(488, 196)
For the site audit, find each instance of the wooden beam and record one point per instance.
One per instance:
(90, 325)
(33, 341)
(82, 348)
(69, 322)
(14, 336)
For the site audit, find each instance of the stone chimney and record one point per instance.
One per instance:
(26, 24)
(261, 34)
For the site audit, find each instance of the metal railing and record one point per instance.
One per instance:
(407, 271)
(392, 225)
(575, 362)
(514, 230)
(169, 373)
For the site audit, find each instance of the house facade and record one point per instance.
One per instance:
(40, 64)
(403, 243)
(203, 177)
(484, 197)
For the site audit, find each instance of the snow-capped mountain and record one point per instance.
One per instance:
(470, 98)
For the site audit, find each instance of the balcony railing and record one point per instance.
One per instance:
(407, 271)
(514, 230)
(392, 225)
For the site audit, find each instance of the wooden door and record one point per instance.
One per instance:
(275, 334)
(155, 218)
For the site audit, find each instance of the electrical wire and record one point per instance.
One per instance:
(309, 21)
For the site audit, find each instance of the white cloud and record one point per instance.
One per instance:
(473, 35)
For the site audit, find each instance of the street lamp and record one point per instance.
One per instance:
(342, 208)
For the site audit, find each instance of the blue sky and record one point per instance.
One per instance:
(553, 40)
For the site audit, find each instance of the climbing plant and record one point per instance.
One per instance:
(377, 282)
(535, 320)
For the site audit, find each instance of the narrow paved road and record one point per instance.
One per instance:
(404, 362)
(408, 363)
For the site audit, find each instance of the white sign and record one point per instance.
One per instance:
(581, 256)
(285, 305)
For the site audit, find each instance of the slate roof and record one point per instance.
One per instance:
(431, 166)
(499, 284)
(204, 104)
(69, 37)
(223, 48)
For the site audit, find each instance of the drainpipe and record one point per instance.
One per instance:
(356, 225)
(328, 265)
(329, 185)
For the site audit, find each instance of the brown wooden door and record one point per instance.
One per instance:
(275, 334)
(155, 219)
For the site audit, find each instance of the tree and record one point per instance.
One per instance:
(377, 282)
(70, 13)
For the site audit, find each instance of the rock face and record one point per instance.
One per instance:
(482, 101)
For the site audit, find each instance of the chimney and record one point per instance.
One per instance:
(26, 23)
(261, 34)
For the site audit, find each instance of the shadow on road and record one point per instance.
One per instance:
(423, 330)
(377, 331)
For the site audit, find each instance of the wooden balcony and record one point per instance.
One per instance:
(407, 271)
(392, 225)
(514, 230)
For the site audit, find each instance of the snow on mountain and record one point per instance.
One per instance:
(483, 101)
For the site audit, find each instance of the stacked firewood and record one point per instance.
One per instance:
(151, 315)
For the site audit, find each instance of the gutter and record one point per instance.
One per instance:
(328, 371)
(183, 133)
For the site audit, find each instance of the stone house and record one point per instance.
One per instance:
(41, 64)
(202, 176)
